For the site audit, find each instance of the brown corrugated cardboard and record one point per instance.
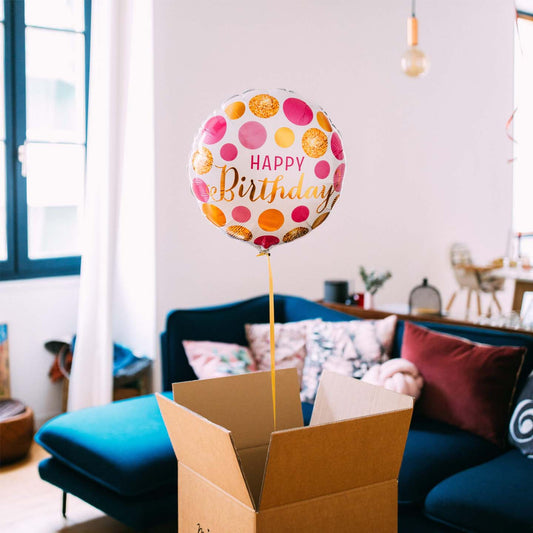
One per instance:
(339, 399)
(236, 475)
(206, 448)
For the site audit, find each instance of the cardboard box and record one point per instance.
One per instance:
(235, 474)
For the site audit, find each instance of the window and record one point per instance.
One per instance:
(523, 132)
(44, 45)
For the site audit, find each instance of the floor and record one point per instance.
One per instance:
(29, 504)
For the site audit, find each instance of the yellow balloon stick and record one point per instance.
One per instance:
(272, 336)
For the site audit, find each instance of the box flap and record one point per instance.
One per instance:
(357, 439)
(342, 397)
(253, 461)
(316, 461)
(206, 448)
(243, 404)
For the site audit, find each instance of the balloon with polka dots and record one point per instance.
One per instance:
(267, 167)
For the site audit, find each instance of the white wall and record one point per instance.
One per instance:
(427, 158)
(37, 311)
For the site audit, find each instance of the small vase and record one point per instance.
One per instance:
(369, 300)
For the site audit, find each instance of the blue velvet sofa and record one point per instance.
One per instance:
(118, 457)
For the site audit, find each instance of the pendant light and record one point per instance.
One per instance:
(414, 62)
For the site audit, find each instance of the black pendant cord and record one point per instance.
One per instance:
(413, 8)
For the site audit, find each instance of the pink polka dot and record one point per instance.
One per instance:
(266, 241)
(297, 111)
(241, 214)
(336, 146)
(322, 169)
(252, 135)
(228, 152)
(200, 189)
(214, 129)
(300, 213)
(338, 177)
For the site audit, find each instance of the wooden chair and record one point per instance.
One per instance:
(474, 279)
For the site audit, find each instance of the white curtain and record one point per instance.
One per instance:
(117, 295)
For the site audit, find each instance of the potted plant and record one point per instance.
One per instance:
(372, 281)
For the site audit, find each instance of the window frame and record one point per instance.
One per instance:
(18, 264)
(524, 14)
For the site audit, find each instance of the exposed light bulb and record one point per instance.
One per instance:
(414, 62)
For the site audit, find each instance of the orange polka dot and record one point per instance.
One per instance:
(323, 121)
(284, 137)
(271, 220)
(214, 214)
(235, 110)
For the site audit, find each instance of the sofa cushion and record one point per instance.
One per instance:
(290, 341)
(349, 348)
(494, 496)
(435, 451)
(521, 426)
(307, 411)
(466, 384)
(123, 445)
(218, 359)
(225, 323)
(411, 519)
(474, 333)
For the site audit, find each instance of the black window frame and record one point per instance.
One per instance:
(18, 265)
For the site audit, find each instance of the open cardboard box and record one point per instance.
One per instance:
(236, 474)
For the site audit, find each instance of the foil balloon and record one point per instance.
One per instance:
(267, 167)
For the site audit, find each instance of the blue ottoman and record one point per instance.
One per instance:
(493, 497)
(117, 457)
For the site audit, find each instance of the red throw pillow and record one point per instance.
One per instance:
(466, 384)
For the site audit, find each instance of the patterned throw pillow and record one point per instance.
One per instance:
(521, 426)
(291, 338)
(348, 348)
(218, 359)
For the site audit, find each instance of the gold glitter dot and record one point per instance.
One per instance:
(314, 142)
(319, 220)
(263, 105)
(294, 234)
(239, 232)
(202, 160)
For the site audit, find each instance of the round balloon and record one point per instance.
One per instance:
(267, 167)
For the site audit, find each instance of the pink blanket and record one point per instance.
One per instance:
(398, 375)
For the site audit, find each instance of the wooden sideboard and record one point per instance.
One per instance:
(359, 312)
